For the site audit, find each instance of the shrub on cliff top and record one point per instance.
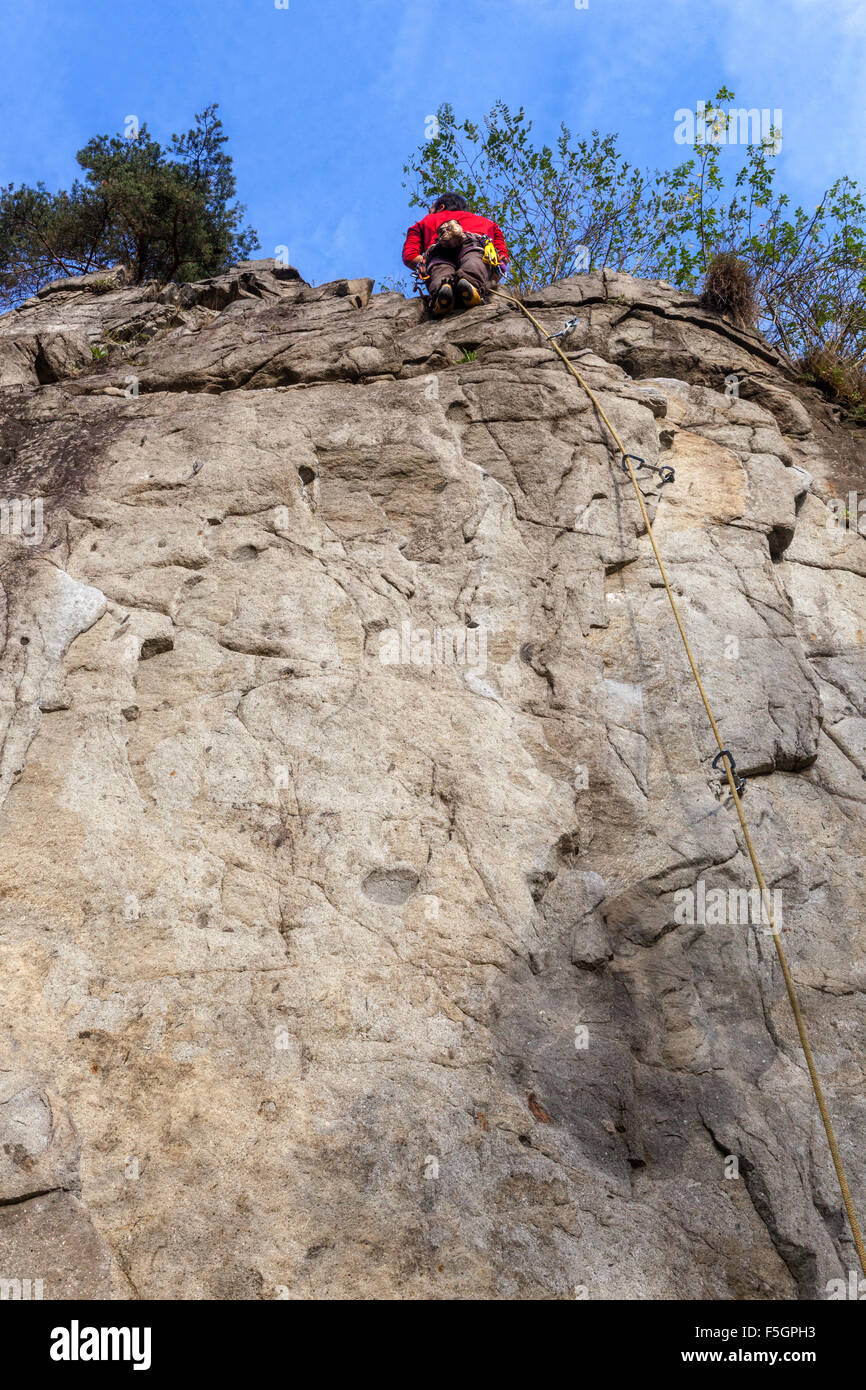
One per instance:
(729, 289)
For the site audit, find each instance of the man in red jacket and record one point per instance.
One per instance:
(451, 245)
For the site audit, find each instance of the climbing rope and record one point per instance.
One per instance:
(736, 785)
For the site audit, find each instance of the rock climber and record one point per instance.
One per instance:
(459, 254)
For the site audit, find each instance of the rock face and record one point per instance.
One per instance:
(361, 854)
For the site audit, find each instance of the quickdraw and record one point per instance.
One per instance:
(739, 782)
(665, 472)
(422, 279)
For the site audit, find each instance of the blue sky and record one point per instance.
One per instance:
(323, 101)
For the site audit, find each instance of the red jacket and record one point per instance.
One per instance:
(422, 235)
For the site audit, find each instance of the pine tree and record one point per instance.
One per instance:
(164, 214)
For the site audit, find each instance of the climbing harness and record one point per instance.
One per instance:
(491, 260)
(735, 783)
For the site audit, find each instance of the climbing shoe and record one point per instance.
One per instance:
(469, 296)
(443, 302)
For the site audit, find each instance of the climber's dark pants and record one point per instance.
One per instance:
(468, 260)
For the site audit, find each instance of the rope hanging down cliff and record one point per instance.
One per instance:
(736, 785)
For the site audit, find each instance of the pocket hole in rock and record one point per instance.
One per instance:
(390, 886)
(155, 646)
